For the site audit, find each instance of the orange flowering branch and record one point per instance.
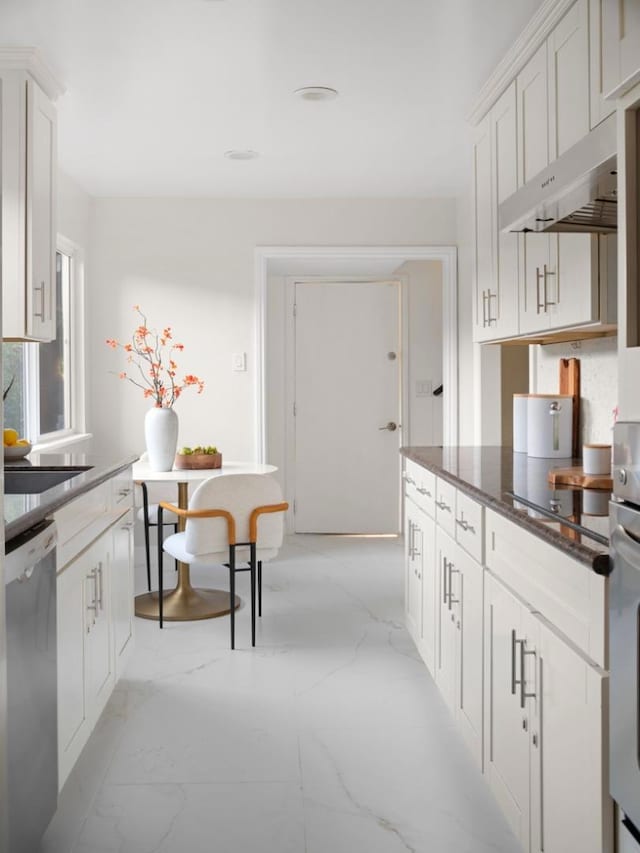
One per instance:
(149, 351)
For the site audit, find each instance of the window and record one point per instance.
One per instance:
(43, 402)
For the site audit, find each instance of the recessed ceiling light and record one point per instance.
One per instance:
(317, 93)
(240, 154)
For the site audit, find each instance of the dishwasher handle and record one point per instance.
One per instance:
(27, 550)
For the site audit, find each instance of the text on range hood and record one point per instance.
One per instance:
(575, 193)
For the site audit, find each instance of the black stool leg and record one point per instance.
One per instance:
(160, 555)
(145, 518)
(259, 587)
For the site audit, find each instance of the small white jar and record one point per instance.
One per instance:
(596, 459)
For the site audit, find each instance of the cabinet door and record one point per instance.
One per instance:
(600, 108)
(533, 126)
(448, 597)
(570, 806)
(506, 741)
(568, 74)
(571, 290)
(413, 571)
(41, 215)
(100, 677)
(429, 592)
(122, 590)
(534, 259)
(72, 709)
(620, 45)
(484, 229)
(503, 299)
(469, 653)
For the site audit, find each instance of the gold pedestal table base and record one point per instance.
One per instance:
(185, 603)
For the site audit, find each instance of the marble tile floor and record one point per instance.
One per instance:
(328, 737)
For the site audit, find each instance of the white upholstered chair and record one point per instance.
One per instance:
(236, 521)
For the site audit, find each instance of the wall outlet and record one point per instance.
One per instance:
(239, 361)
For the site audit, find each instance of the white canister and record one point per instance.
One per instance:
(549, 425)
(520, 423)
(596, 458)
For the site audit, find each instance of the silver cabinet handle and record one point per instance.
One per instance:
(513, 662)
(92, 576)
(409, 479)
(452, 572)
(546, 272)
(40, 287)
(100, 584)
(417, 552)
(442, 505)
(122, 493)
(491, 296)
(391, 427)
(424, 491)
(444, 580)
(523, 681)
(128, 526)
(484, 308)
(464, 524)
(539, 305)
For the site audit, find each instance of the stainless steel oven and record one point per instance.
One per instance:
(624, 628)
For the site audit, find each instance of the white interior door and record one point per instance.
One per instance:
(347, 390)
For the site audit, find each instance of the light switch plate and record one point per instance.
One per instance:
(239, 361)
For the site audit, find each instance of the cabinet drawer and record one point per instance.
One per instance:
(561, 589)
(469, 525)
(420, 486)
(122, 490)
(446, 506)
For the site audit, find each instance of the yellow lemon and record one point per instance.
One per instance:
(23, 442)
(10, 437)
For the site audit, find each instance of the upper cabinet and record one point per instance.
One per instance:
(540, 286)
(495, 177)
(28, 209)
(601, 108)
(620, 46)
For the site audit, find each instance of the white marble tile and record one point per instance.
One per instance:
(329, 736)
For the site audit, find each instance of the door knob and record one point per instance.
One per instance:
(390, 426)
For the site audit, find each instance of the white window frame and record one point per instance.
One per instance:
(74, 361)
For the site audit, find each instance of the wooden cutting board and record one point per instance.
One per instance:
(577, 477)
(570, 384)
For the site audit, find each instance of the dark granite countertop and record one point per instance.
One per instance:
(497, 477)
(22, 512)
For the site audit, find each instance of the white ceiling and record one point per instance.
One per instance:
(158, 90)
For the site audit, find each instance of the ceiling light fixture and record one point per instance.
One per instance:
(240, 154)
(316, 93)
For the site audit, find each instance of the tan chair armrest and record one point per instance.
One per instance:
(263, 510)
(205, 513)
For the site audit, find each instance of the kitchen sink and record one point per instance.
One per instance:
(33, 481)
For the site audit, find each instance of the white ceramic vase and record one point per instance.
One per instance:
(161, 437)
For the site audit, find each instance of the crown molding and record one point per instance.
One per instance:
(30, 59)
(523, 48)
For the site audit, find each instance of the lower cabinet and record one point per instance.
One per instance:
(420, 580)
(85, 658)
(458, 670)
(545, 745)
(122, 592)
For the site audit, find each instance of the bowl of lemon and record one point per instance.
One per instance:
(14, 446)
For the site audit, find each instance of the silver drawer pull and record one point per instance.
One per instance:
(409, 480)
(443, 505)
(122, 493)
(425, 492)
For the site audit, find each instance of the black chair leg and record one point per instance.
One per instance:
(147, 547)
(259, 587)
(160, 556)
(232, 593)
(252, 568)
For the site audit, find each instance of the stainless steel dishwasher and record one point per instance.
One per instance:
(32, 720)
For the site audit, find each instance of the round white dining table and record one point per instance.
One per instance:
(185, 602)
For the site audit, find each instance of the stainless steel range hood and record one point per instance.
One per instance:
(575, 193)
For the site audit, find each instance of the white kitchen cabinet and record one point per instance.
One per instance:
(413, 570)
(533, 117)
(495, 177)
(568, 79)
(570, 805)
(29, 166)
(620, 21)
(506, 759)
(459, 672)
(85, 659)
(600, 107)
(122, 591)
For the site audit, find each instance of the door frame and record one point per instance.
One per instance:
(447, 255)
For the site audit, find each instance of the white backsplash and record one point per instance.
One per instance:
(598, 381)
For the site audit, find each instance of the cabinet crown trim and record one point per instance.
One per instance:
(30, 59)
(523, 48)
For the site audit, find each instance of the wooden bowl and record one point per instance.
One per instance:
(198, 460)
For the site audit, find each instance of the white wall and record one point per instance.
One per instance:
(598, 382)
(74, 207)
(190, 264)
